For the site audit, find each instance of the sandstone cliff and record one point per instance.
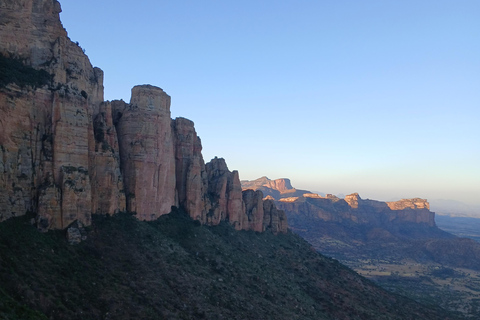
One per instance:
(352, 210)
(65, 154)
(147, 152)
(278, 188)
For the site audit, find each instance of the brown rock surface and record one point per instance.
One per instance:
(415, 203)
(65, 153)
(108, 194)
(352, 200)
(279, 188)
(254, 209)
(47, 128)
(274, 219)
(191, 175)
(146, 152)
(225, 191)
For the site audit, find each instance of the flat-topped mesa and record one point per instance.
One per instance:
(148, 97)
(147, 152)
(407, 210)
(415, 203)
(279, 184)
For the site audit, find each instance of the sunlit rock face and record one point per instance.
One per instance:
(146, 152)
(190, 172)
(225, 192)
(66, 154)
(48, 128)
(108, 192)
(415, 203)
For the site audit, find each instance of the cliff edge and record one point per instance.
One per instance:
(66, 154)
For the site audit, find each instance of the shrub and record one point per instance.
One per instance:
(15, 71)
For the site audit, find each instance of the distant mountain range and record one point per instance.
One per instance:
(384, 238)
(454, 208)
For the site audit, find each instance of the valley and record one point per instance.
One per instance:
(110, 211)
(402, 251)
(460, 226)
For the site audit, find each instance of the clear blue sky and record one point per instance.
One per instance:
(379, 97)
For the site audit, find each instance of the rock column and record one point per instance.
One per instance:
(146, 152)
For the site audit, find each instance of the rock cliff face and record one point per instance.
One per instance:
(190, 172)
(47, 139)
(352, 210)
(279, 188)
(146, 152)
(254, 209)
(65, 154)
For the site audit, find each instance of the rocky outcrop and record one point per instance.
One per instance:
(279, 188)
(274, 219)
(352, 200)
(47, 127)
(225, 192)
(65, 154)
(254, 209)
(108, 192)
(403, 204)
(146, 152)
(352, 210)
(190, 172)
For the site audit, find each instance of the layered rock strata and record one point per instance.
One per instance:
(351, 209)
(190, 172)
(147, 152)
(225, 191)
(65, 154)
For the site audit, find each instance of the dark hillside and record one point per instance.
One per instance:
(173, 268)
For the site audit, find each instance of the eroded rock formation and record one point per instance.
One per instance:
(225, 191)
(65, 154)
(146, 152)
(351, 209)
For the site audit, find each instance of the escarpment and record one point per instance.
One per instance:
(303, 207)
(66, 154)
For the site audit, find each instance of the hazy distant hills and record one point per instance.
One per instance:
(398, 244)
(454, 208)
(336, 226)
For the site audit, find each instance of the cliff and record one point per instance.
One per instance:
(303, 208)
(66, 154)
(278, 188)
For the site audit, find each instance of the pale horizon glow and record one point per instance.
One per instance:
(376, 97)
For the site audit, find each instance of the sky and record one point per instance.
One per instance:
(379, 97)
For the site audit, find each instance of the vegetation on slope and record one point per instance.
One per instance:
(174, 268)
(15, 71)
(423, 263)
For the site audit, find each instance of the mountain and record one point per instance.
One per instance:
(404, 218)
(66, 154)
(108, 210)
(279, 188)
(364, 225)
(176, 268)
(455, 208)
(397, 244)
